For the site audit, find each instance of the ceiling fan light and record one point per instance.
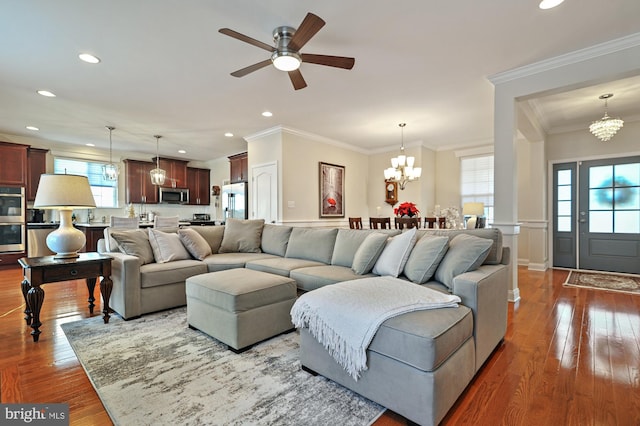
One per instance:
(286, 61)
(549, 4)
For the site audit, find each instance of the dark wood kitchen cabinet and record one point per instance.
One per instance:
(239, 167)
(139, 188)
(176, 172)
(36, 166)
(198, 183)
(13, 164)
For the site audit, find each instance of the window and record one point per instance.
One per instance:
(477, 182)
(105, 192)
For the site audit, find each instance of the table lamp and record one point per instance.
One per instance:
(473, 210)
(64, 193)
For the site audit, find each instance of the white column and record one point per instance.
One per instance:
(506, 178)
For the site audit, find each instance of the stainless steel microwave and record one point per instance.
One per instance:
(174, 195)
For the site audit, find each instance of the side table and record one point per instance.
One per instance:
(48, 269)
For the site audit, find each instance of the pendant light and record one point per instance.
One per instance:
(606, 128)
(158, 175)
(402, 169)
(110, 171)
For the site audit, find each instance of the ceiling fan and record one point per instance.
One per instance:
(285, 55)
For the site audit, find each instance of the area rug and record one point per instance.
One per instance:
(625, 283)
(157, 371)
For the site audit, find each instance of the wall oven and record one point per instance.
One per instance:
(12, 219)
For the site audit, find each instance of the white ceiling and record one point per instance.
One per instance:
(165, 70)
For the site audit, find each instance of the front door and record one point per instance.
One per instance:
(609, 215)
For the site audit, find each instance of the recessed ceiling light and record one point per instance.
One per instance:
(549, 4)
(34, 128)
(89, 58)
(182, 151)
(90, 144)
(46, 93)
(267, 114)
(229, 134)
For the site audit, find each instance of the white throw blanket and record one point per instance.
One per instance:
(345, 316)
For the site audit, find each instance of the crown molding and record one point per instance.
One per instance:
(576, 56)
(306, 135)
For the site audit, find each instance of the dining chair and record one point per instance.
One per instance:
(355, 222)
(165, 221)
(430, 222)
(383, 222)
(409, 222)
(124, 222)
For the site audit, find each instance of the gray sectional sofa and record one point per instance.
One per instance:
(419, 363)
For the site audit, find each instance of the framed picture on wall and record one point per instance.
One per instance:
(331, 190)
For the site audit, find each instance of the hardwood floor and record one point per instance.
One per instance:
(571, 357)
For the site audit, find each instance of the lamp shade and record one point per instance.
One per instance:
(63, 191)
(473, 209)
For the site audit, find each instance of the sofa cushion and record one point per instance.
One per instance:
(368, 253)
(158, 274)
(242, 236)
(314, 277)
(134, 242)
(312, 244)
(395, 254)
(280, 265)
(195, 243)
(425, 258)
(166, 246)
(424, 339)
(347, 243)
(275, 239)
(212, 234)
(224, 261)
(495, 254)
(466, 253)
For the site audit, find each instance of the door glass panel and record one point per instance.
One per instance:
(600, 177)
(564, 224)
(564, 193)
(628, 174)
(564, 177)
(601, 221)
(627, 198)
(600, 199)
(627, 222)
(564, 208)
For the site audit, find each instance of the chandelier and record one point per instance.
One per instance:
(110, 171)
(605, 128)
(158, 175)
(402, 169)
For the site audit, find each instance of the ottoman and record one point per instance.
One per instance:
(240, 307)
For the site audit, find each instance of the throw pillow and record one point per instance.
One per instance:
(395, 254)
(425, 258)
(194, 243)
(368, 253)
(466, 253)
(134, 242)
(242, 236)
(167, 246)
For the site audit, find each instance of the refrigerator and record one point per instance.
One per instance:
(235, 201)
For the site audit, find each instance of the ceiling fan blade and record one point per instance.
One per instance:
(251, 68)
(297, 80)
(310, 25)
(330, 61)
(246, 39)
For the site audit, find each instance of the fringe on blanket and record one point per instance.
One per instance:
(354, 360)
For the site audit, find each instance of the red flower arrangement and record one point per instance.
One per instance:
(406, 209)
